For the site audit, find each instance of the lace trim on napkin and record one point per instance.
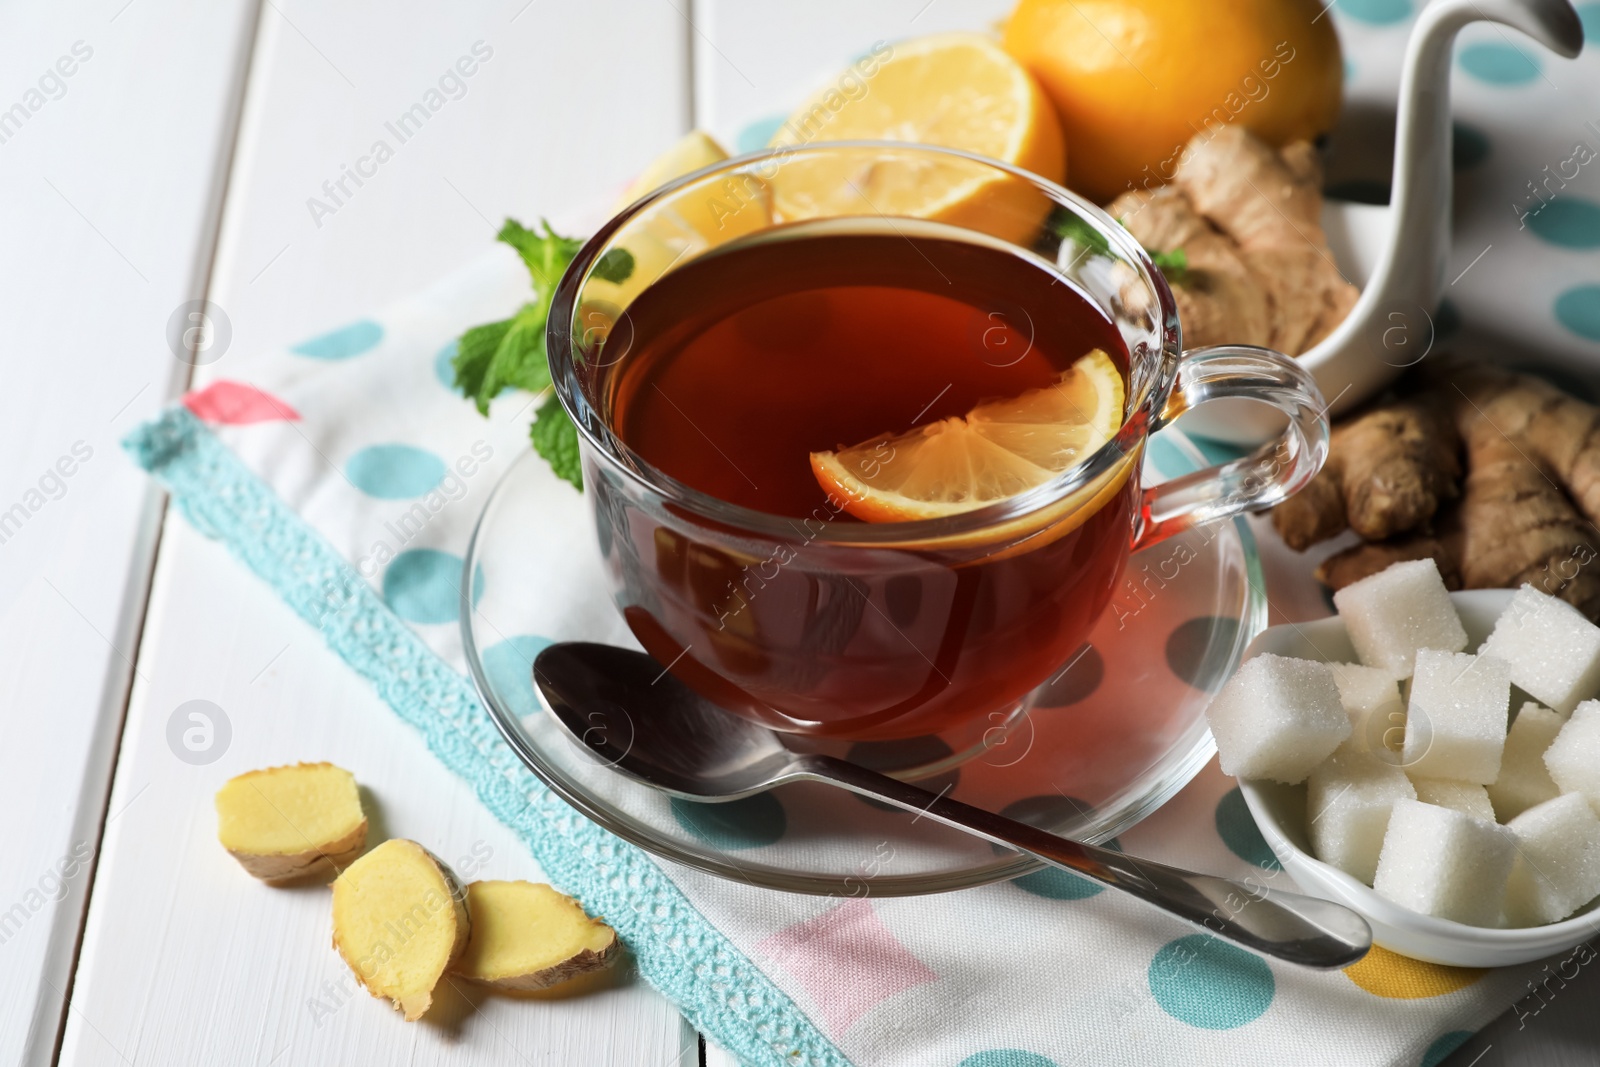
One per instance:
(719, 990)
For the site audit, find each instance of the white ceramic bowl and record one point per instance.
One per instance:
(1280, 812)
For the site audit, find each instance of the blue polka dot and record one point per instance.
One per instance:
(1053, 811)
(1567, 221)
(1498, 63)
(394, 472)
(1198, 650)
(1238, 831)
(1376, 12)
(1578, 309)
(1006, 1057)
(1210, 984)
(1215, 451)
(509, 665)
(1589, 15)
(442, 368)
(1053, 883)
(351, 340)
(739, 824)
(1085, 669)
(755, 137)
(423, 585)
(1167, 458)
(1446, 320)
(1360, 191)
(1442, 1046)
(1469, 146)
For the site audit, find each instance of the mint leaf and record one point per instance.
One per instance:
(510, 354)
(474, 352)
(1174, 264)
(616, 266)
(520, 361)
(556, 439)
(545, 255)
(503, 355)
(1070, 227)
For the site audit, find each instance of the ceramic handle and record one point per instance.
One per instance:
(1266, 477)
(1411, 275)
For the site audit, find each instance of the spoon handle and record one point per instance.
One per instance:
(1288, 926)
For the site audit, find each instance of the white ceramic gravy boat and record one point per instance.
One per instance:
(1397, 254)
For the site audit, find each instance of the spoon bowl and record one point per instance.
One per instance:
(629, 713)
(684, 746)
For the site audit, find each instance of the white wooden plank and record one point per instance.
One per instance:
(113, 131)
(574, 100)
(189, 960)
(571, 101)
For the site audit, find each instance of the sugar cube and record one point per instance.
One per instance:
(1393, 614)
(1557, 870)
(1524, 780)
(1573, 758)
(1554, 651)
(1466, 797)
(1444, 863)
(1371, 698)
(1348, 798)
(1456, 719)
(1277, 718)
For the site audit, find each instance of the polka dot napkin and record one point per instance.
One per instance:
(359, 432)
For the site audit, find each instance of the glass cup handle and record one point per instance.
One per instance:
(1261, 480)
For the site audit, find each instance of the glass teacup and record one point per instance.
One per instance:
(842, 630)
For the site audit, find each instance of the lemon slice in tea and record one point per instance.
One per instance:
(998, 449)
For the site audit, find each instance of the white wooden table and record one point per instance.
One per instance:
(174, 162)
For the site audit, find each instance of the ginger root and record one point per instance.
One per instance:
(1387, 473)
(1219, 299)
(527, 936)
(291, 824)
(400, 920)
(1249, 220)
(1528, 505)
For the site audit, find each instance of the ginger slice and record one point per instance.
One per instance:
(287, 824)
(527, 936)
(399, 920)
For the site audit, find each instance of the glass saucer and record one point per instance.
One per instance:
(1116, 732)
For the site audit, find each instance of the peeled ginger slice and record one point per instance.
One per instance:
(285, 824)
(527, 936)
(399, 920)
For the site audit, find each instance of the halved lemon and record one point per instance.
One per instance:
(998, 449)
(693, 150)
(957, 90)
(684, 224)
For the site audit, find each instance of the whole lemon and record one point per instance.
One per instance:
(1134, 80)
